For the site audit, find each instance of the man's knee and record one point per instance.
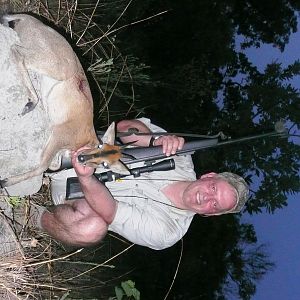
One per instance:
(91, 231)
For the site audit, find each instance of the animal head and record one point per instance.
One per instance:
(107, 154)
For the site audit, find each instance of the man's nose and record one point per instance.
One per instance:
(206, 197)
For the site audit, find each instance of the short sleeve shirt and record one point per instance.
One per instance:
(145, 216)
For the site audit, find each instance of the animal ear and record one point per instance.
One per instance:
(109, 135)
(120, 168)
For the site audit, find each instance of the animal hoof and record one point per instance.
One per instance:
(3, 183)
(28, 108)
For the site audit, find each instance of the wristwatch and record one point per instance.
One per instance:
(153, 138)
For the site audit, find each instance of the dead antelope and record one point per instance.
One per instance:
(68, 99)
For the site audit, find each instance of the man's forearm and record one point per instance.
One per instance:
(98, 197)
(169, 143)
(141, 140)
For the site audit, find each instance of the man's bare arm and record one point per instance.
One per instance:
(95, 193)
(141, 140)
(170, 143)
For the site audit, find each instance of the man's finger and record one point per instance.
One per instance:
(175, 145)
(172, 145)
(181, 143)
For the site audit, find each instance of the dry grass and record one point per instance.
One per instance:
(25, 253)
(93, 27)
(34, 266)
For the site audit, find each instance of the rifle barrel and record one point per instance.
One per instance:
(153, 153)
(140, 154)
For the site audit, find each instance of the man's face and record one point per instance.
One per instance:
(209, 195)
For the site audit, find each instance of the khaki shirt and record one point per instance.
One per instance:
(145, 216)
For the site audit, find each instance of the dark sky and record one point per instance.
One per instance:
(280, 231)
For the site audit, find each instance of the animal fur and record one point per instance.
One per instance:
(69, 101)
(107, 153)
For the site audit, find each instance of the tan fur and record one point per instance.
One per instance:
(69, 103)
(109, 153)
(109, 159)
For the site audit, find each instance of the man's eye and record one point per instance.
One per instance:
(214, 203)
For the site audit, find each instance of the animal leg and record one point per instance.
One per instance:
(47, 156)
(18, 178)
(33, 98)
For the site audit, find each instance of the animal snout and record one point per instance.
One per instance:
(94, 157)
(88, 155)
(82, 158)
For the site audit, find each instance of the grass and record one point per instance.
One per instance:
(92, 28)
(32, 264)
(39, 267)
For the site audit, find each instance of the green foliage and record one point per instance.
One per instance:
(207, 85)
(257, 102)
(15, 201)
(198, 63)
(220, 260)
(118, 80)
(128, 290)
(246, 264)
(65, 296)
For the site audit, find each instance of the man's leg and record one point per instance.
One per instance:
(74, 223)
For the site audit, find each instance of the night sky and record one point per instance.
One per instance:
(280, 231)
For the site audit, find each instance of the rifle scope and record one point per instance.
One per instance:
(164, 165)
(73, 186)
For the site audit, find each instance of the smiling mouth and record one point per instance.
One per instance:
(198, 201)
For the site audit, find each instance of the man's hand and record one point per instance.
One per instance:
(80, 169)
(170, 143)
(95, 192)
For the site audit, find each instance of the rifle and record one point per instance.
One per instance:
(149, 155)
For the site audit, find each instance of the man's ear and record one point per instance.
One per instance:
(211, 174)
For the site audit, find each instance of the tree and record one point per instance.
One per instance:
(258, 101)
(220, 260)
(197, 63)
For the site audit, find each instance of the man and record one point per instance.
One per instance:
(154, 210)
